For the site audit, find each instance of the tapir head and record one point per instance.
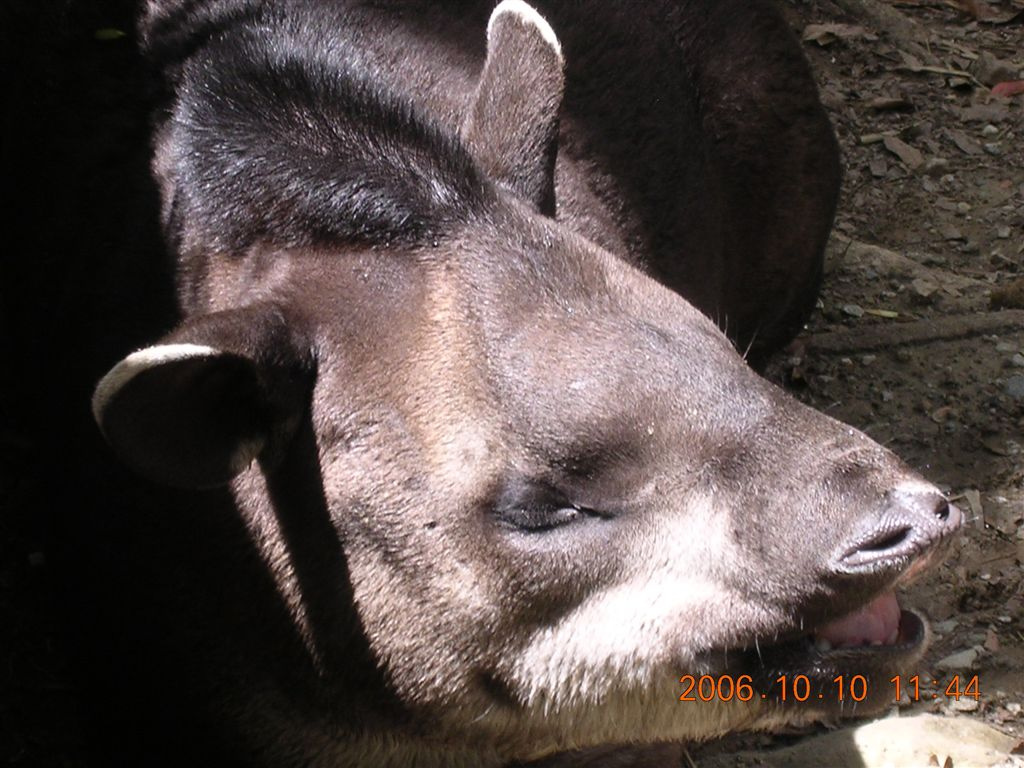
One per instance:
(556, 486)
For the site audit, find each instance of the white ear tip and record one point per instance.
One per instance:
(136, 363)
(528, 15)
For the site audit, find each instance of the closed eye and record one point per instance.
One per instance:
(537, 518)
(534, 507)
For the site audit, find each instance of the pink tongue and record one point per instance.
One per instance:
(877, 622)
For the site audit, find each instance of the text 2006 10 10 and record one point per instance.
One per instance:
(843, 688)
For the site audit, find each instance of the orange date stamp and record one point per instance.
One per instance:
(842, 688)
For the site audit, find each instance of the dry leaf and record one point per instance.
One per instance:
(1008, 296)
(826, 34)
(974, 9)
(873, 138)
(973, 498)
(912, 158)
(996, 112)
(1015, 17)
(991, 641)
(890, 103)
(1008, 88)
(1001, 446)
(963, 142)
(107, 34)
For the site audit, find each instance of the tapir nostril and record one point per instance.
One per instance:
(909, 524)
(886, 541)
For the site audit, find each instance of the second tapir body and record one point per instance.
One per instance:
(483, 483)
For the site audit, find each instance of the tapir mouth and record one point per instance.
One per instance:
(879, 623)
(870, 644)
(866, 636)
(881, 626)
(882, 623)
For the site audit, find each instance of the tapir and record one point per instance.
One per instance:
(458, 455)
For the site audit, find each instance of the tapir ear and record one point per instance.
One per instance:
(512, 125)
(195, 409)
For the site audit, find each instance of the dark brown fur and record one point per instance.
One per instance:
(490, 483)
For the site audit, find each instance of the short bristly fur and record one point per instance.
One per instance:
(485, 482)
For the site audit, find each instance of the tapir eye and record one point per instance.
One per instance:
(536, 508)
(537, 519)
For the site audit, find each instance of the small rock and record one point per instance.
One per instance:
(990, 70)
(994, 191)
(993, 149)
(923, 288)
(869, 359)
(1006, 346)
(964, 704)
(949, 232)
(945, 627)
(1015, 387)
(935, 166)
(963, 207)
(1017, 361)
(1013, 707)
(1008, 296)
(1003, 233)
(1000, 446)
(853, 310)
(989, 130)
(961, 660)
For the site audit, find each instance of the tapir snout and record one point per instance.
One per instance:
(914, 518)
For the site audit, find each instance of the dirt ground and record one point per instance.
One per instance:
(918, 338)
(919, 335)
